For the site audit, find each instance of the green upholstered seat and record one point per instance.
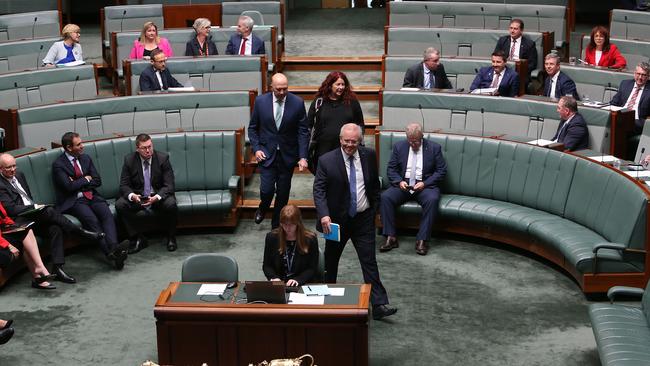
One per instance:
(29, 25)
(629, 24)
(565, 203)
(24, 54)
(130, 18)
(597, 84)
(209, 267)
(270, 10)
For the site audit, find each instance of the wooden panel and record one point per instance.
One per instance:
(183, 16)
(193, 343)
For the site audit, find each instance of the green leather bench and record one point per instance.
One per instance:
(215, 73)
(585, 217)
(596, 83)
(47, 85)
(206, 169)
(25, 54)
(29, 25)
(622, 332)
(629, 24)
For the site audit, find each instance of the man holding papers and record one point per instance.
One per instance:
(415, 170)
(346, 192)
(572, 130)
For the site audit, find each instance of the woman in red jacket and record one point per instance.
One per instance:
(9, 243)
(600, 52)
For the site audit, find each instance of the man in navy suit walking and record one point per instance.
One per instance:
(279, 135)
(415, 171)
(75, 183)
(244, 42)
(499, 76)
(635, 95)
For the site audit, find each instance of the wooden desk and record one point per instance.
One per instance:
(191, 331)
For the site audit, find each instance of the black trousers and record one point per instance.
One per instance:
(162, 215)
(275, 180)
(51, 225)
(361, 230)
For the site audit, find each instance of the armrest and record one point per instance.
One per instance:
(599, 246)
(615, 291)
(233, 182)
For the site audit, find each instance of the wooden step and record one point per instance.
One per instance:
(328, 63)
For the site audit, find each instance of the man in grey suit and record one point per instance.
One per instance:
(428, 74)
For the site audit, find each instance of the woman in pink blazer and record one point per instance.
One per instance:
(149, 41)
(600, 52)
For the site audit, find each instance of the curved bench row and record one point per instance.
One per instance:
(585, 217)
(206, 167)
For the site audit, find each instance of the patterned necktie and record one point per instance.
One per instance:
(147, 179)
(414, 165)
(77, 175)
(495, 82)
(14, 182)
(512, 50)
(352, 211)
(242, 50)
(278, 114)
(635, 94)
(432, 81)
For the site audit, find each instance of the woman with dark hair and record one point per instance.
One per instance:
(150, 40)
(290, 251)
(201, 44)
(600, 52)
(335, 104)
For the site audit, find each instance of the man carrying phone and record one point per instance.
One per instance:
(415, 171)
(147, 191)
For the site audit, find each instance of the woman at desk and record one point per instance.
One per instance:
(600, 52)
(67, 50)
(290, 251)
(149, 41)
(201, 45)
(335, 104)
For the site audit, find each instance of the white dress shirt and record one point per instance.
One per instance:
(515, 55)
(418, 163)
(362, 199)
(248, 48)
(638, 99)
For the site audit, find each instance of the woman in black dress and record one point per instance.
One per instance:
(335, 105)
(201, 45)
(290, 251)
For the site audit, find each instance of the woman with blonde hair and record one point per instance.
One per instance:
(290, 250)
(67, 50)
(201, 44)
(150, 40)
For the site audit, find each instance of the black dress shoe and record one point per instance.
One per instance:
(119, 255)
(6, 334)
(382, 311)
(391, 243)
(171, 243)
(8, 324)
(62, 276)
(40, 286)
(137, 244)
(91, 235)
(259, 216)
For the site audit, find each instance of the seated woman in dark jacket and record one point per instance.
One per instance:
(291, 251)
(201, 44)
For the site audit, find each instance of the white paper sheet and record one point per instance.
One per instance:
(181, 89)
(316, 290)
(296, 298)
(612, 108)
(337, 291)
(541, 142)
(604, 158)
(212, 289)
(639, 174)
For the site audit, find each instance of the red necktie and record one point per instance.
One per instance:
(512, 50)
(630, 104)
(77, 175)
(495, 82)
(242, 50)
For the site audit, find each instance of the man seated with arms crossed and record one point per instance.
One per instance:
(635, 95)
(517, 46)
(572, 130)
(557, 83)
(428, 74)
(147, 186)
(244, 42)
(17, 199)
(75, 183)
(498, 76)
(415, 171)
(157, 77)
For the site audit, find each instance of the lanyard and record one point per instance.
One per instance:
(288, 258)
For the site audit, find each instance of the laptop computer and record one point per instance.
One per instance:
(271, 292)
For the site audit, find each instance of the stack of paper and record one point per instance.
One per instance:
(212, 289)
(316, 290)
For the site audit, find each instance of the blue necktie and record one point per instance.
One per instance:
(352, 211)
(147, 179)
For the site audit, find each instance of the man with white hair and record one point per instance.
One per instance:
(244, 42)
(428, 74)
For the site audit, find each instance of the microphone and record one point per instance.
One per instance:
(440, 42)
(210, 77)
(38, 57)
(483, 15)
(625, 26)
(74, 120)
(426, 8)
(74, 86)
(482, 122)
(135, 109)
(641, 157)
(538, 27)
(17, 94)
(196, 107)
(421, 115)
(122, 20)
(538, 131)
(34, 26)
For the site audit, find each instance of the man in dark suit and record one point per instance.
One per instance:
(428, 74)
(635, 94)
(157, 77)
(557, 83)
(279, 135)
(346, 192)
(415, 170)
(518, 46)
(572, 131)
(498, 76)
(17, 199)
(244, 42)
(147, 186)
(75, 183)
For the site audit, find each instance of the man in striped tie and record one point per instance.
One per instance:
(635, 95)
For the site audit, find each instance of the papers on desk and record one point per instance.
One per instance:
(612, 108)
(638, 174)
(296, 298)
(595, 104)
(604, 158)
(212, 289)
(541, 142)
(181, 89)
(409, 89)
(337, 291)
(316, 290)
(484, 91)
(71, 63)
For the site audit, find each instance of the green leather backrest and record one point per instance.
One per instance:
(22, 25)
(638, 24)
(131, 17)
(26, 54)
(37, 168)
(597, 84)
(270, 10)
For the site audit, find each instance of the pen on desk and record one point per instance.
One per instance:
(308, 288)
